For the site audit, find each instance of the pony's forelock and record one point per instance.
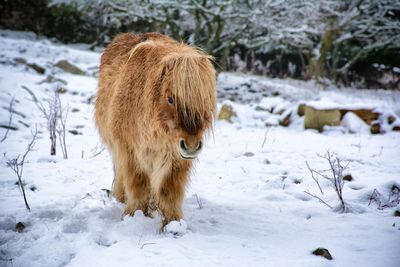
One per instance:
(192, 81)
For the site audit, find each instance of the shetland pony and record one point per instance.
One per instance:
(156, 100)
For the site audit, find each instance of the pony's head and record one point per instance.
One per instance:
(187, 98)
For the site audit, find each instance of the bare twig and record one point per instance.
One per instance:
(314, 177)
(61, 127)
(34, 98)
(9, 120)
(94, 151)
(392, 200)
(320, 199)
(17, 165)
(199, 202)
(265, 137)
(146, 244)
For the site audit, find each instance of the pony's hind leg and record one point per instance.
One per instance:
(118, 184)
(118, 188)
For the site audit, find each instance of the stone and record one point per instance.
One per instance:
(396, 128)
(37, 68)
(51, 79)
(323, 252)
(19, 227)
(375, 128)
(75, 132)
(66, 66)
(391, 119)
(318, 118)
(61, 90)
(348, 177)
(226, 113)
(20, 60)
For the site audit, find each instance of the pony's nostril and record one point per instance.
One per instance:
(183, 144)
(199, 146)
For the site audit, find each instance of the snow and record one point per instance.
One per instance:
(354, 124)
(245, 205)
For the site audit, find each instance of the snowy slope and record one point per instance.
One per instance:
(245, 205)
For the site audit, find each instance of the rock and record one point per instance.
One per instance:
(248, 154)
(323, 252)
(68, 67)
(61, 90)
(397, 213)
(226, 113)
(20, 60)
(51, 79)
(348, 177)
(37, 68)
(91, 99)
(391, 119)
(375, 128)
(354, 123)
(19, 227)
(285, 121)
(74, 110)
(396, 128)
(75, 132)
(367, 115)
(318, 118)
(266, 161)
(301, 109)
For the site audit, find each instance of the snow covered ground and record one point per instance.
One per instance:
(245, 205)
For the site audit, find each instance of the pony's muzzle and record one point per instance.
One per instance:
(189, 151)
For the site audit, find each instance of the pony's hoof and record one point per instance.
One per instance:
(176, 228)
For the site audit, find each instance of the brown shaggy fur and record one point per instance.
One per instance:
(153, 92)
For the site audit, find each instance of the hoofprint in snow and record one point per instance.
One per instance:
(246, 204)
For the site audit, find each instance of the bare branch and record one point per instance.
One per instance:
(17, 165)
(265, 137)
(334, 175)
(314, 178)
(320, 199)
(9, 120)
(34, 98)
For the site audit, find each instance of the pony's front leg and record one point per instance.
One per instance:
(137, 193)
(171, 194)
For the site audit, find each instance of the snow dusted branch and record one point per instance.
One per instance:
(61, 127)
(56, 117)
(17, 165)
(334, 174)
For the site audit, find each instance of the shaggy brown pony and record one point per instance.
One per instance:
(156, 100)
